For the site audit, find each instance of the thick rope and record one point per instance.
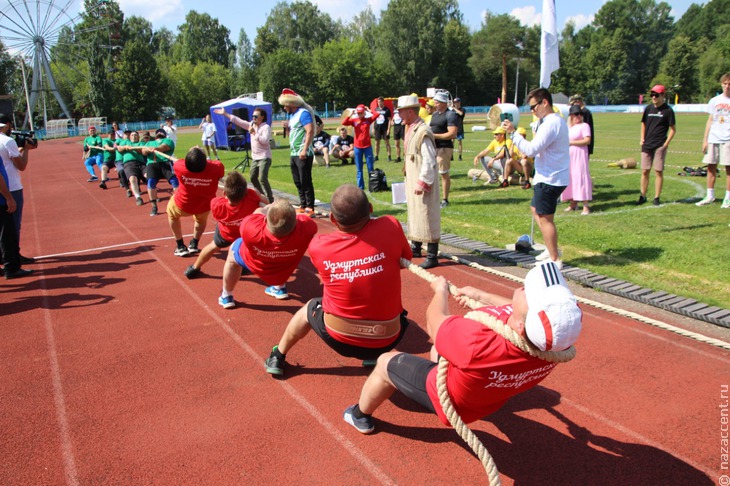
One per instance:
(506, 332)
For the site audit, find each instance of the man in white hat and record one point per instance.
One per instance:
(444, 125)
(422, 188)
(544, 312)
(301, 126)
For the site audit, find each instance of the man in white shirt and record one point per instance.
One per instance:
(716, 143)
(551, 148)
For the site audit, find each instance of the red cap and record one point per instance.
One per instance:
(658, 89)
(360, 109)
(289, 91)
(92, 127)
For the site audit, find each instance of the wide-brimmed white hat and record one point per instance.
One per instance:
(408, 101)
(553, 319)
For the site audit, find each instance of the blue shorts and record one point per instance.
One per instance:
(545, 198)
(236, 249)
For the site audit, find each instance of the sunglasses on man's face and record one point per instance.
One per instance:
(532, 107)
(255, 116)
(655, 95)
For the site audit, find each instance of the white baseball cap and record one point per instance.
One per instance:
(553, 319)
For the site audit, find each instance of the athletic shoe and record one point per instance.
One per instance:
(546, 255)
(278, 292)
(642, 200)
(656, 201)
(444, 203)
(24, 260)
(129, 193)
(505, 183)
(182, 251)
(310, 212)
(460, 159)
(363, 425)
(376, 159)
(191, 272)
(725, 203)
(390, 159)
(226, 302)
(21, 272)
(103, 184)
(139, 201)
(300, 210)
(398, 159)
(153, 212)
(92, 179)
(193, 247)
(558, 263)
(527, 185)
(707, 200)
(274, 365)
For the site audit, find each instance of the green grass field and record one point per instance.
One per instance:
(676, 247)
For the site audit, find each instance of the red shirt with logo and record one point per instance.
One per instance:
(361, 274)
(197, 189)
(362, 130)
(229, 217)
(273, 259)
(485, 369)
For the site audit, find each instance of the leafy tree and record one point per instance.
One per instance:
(202, 39)
(162, 41)
(575, 72)
(7, 70)
(714, 62)
(704, 20)
(498, 42)
(454, 73)
(678, 70)
(141, 90)
(137, 28)
(348, 69)
(363, 26)
(612, 75)
(299, 26)
(193, 88)
(245, 76)
(287, 69)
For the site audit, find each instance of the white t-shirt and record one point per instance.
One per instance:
(551, 148)
(8, 148)
(171, 132)
(208, 130)
(719, 108)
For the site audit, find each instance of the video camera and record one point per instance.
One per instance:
(23, 136)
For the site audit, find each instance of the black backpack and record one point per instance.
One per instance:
(378, 181)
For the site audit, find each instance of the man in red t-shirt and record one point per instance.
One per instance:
(360, 314)
(198, 179)
(485, 369)
(363, 148)
(238, 201)
(272, 243)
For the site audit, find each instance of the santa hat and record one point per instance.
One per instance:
(290, 97)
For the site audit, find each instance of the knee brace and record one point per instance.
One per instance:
(152, 183)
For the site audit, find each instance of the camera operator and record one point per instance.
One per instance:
(15, 160)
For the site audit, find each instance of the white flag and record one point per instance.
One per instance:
(549, 57)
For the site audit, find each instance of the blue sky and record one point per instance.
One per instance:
(252, 14)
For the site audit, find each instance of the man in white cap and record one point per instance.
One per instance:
(444, 125)
(485, 369)
(301, 126)
(422, 189)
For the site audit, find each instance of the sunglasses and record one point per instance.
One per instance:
(255, 116)
(532, 107)
(655, 95)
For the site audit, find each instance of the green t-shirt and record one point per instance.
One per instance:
(169, 143)
(92, 141)
(108, 156)
(151, 155)
(134, 155)
(119, 157)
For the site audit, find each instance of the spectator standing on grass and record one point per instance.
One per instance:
(260, 132)
(580, 188)
(444, 125)
(577, 99)
(170, 128)
(399, 132)
(301, 156)
(208, 138)
(461, 113)
(551, 148)
(657, 131)
(716, 142)
(361, 123)
(382, 127)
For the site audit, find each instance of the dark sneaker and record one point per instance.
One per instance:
(191, 272)
(505, 183)
(153, 212)
(226, 302)
(526, 185)
(92, 179)
(24, 260)
(363, 425)
(182, 251)
(656, 201)
(444, 203)
(129, 193)
(642, 200)
(429, 263)
(19, 273)
(376, 159)
(274, 365)
(139, 201)
(193, 247)
(398, 159)
(103, 184)
(460, 159)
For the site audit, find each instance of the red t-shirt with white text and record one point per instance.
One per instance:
(272, 259)
(229, 217)
(361, 274)
(197, 189)
(485, 369)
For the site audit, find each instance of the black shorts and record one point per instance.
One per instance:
(159, 171)
(409, 373)
(218, 239)
(110, 164)
(399, 132)
(315, 317)
(381, 132)
(545, 198)
(134, 169)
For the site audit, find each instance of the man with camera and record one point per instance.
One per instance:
(15, 160)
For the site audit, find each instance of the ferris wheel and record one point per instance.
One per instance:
(30, 29)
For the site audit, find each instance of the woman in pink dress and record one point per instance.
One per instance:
(580, 189)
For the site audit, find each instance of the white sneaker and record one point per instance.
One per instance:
(558, 263)
(546, 254)
(725, 203)
(705, 201)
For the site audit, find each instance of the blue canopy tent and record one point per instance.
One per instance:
(242, 108)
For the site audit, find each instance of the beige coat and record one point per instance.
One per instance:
(424, 211)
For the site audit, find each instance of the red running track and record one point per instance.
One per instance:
(116, 369)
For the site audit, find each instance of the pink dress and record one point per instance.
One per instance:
(581, 185)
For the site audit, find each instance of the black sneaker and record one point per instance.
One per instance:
(376, 159)
(182, 251)
(274, 365)
(103, 184)
(444, 203)
(642, 200)
(191, 272)
(139, 201)
(363, 425)
(656, 201)
(398, 159)
(154, 212)
(24, 260)
(19, 273)
(193, 247)
(92, 179)
(129, 193)
(389, 159)
(460, 159)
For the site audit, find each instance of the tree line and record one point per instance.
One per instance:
(122, 68)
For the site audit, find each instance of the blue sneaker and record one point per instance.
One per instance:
(226, 302)
(278, 292)
(363, 425)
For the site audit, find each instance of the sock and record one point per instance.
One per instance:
(358, 414)
(225, 293)
(193, 242)
(710, 193)
(180, 243)
(278, 353)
